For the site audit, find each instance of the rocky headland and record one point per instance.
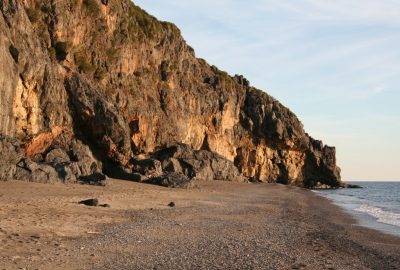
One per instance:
(94, 89)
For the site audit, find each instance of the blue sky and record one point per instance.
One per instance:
(336, 64)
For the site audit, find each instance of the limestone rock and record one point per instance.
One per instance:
(128, 85)
(98, 179)
(124, 173)
(83, 160)
(147, 167)
(170, 179)
(57, 156)
(198, 164)
(28, 170)
(10, 157)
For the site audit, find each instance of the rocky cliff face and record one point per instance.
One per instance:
(91, 87)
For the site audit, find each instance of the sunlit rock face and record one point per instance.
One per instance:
(107, 75)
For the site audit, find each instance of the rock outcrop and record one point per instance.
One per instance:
(93, 88)
(198, 164)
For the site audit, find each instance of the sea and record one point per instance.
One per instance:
(376, 205)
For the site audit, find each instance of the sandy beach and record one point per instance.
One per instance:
(215, 225)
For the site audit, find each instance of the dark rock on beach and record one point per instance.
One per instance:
(99, 179)
(90, 202)
(171, 204)
(198, 164)
(170, 179)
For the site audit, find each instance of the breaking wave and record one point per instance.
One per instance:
(381, 215)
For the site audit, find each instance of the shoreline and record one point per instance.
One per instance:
(219, 225)
(375, 206)
(362, 219)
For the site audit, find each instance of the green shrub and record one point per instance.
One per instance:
(190, 48)
(91, 7)
(172, 27)
(33, 14)
(53, 53)
(221, 75)
(112, 54)
(110, 91)
(149, 25)
(99, 74)
(86, 67)
(83, 64)
(142, 71)
(45, 9)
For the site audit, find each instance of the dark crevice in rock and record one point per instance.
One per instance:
(14, 53)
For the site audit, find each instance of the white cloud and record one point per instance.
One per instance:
(382, 11)
(368, 93)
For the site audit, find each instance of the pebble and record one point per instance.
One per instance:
(171, 204)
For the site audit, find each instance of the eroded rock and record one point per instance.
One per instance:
(57, 156)
(28, 170)
(57, 165)
(98, 104)
(98, 179)
(147, 167)
(171, 179)
(11, 155)
(198, 164)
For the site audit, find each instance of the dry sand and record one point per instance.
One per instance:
(216, 225)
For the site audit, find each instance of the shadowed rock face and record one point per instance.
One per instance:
(125, 86)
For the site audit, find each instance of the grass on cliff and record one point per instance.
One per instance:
(46, 9)
(222, 75)
(33, 14)
(139, 19)
(91, 7)
(99, 74)
(112, 54)
(84, 64)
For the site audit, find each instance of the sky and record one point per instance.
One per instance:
(335, 64)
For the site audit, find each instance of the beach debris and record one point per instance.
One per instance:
(90, 202)
(171, 204)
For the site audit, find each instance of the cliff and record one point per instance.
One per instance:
(92, 87)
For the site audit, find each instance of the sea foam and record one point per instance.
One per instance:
(381, 215)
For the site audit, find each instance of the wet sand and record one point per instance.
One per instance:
(216, 225)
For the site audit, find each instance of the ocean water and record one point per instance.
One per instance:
(376, 206)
